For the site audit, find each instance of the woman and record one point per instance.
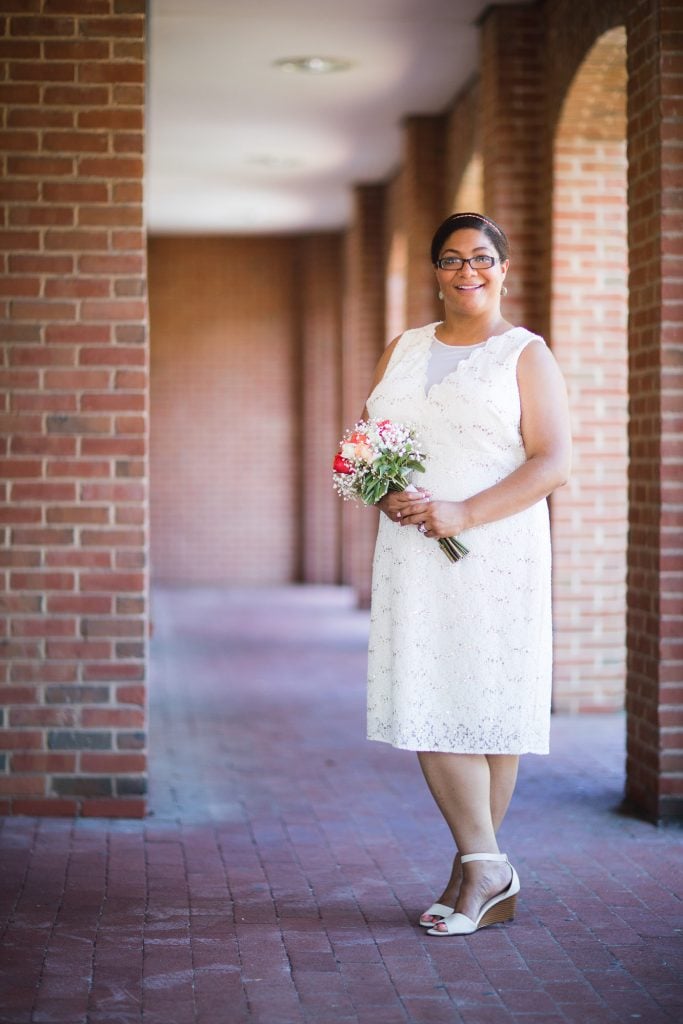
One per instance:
(460, 654)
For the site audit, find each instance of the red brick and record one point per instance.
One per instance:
(131, 695)
(112, 538)
(20, 559)
(114, 763)
(76, 95)
(11, 94)
(114, 492)
(114, 355)
(76, 514)
(67, 558)
(117, 718)
(47, 310)
(75, 192)
(67, 334)
(122, 807)
(41, 716)
(30, 117)
(75, 142)
(43, 491)
(77, 287)
(76, 239)
(80, 468)
(76, 50)
(110, 167)
(80, 604)
(11, 739)
(77, 380)
(113, 263)
(42, 581)
(78, 649)
(13, 468)
(111, 582)
(43, 627)
(42, 537)
(39, 356)
(18, 695)
(114, 671)
(37, 26)
(23, 191)
(24, 785)
(19, 239)
(22, 263)
(42, 216)
(42, 71)
(114, 120)
(43, 762)
(18, 141)
(54, 807)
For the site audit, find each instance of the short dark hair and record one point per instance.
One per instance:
(495, 234)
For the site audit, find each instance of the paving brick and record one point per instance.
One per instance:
(280, 877)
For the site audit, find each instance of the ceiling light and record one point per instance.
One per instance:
(274, 163)
(313, 65)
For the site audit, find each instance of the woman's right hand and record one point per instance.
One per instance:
(397, 504)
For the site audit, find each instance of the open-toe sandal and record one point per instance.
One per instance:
(436, 910)
(496, 910)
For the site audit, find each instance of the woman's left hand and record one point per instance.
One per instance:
(437, 519)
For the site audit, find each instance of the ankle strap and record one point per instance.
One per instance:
(464, 858)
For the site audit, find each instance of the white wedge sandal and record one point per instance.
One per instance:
(496, 910)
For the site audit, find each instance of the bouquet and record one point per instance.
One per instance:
(378, 456)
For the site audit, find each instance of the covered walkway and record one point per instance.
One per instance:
(281, 872)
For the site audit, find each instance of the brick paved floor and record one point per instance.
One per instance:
(281, 872)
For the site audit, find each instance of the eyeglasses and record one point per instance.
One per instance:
(458, 262)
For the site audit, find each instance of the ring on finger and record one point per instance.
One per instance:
(422, 528)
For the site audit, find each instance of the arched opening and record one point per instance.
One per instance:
(395, 298)
(470, 192)
(589, 337)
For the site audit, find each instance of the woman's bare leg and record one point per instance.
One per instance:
(473, 792)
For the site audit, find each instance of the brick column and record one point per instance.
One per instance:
(363, 343)
(513, 138)
(320, 284)
(74, 400)
(425, 206)
(655, 563)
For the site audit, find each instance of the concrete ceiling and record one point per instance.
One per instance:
(237, 145)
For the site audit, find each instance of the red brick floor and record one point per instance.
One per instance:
(280, 874)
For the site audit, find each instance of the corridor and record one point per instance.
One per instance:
(285, 860)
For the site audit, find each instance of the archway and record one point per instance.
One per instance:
(589, 336)
(470, 192)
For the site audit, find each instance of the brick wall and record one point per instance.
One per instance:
(74, 409)
(655, 562)
(236, 355)
(224, 390)
(588, 332)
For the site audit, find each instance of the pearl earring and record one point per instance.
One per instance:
(440, 295)
(503, 291)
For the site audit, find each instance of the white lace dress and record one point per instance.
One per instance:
(460, 654)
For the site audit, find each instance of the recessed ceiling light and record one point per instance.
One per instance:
(313, 65)
(273, 162)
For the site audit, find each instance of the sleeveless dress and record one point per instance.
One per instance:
(460, 654)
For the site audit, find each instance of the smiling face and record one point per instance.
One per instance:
(469, 290)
